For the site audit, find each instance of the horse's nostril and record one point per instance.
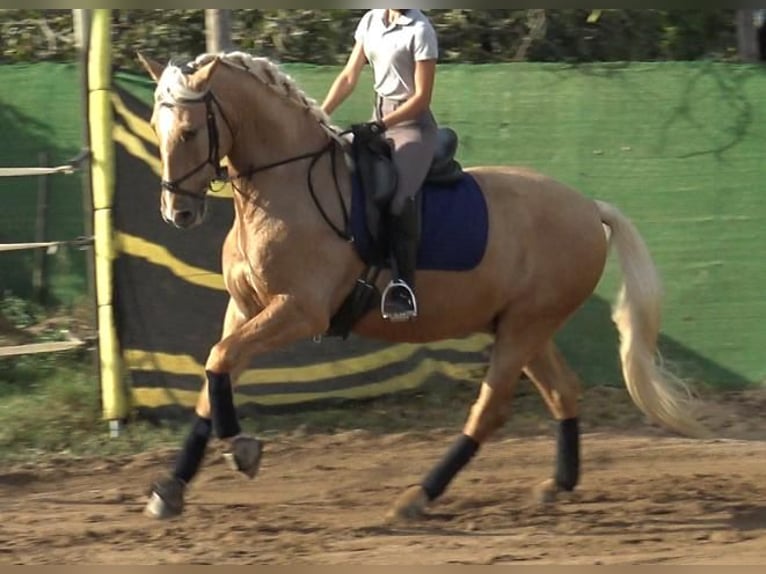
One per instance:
(183, 218)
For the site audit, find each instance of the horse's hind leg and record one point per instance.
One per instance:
(560, 388)
(488, 414)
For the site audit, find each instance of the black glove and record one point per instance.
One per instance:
(369, 130)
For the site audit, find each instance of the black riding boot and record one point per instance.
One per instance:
(398, 302)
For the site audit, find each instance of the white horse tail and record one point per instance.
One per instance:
(662, 396)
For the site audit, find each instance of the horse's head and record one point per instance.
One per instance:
(193, 137)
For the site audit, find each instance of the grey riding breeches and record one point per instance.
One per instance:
(414, 145)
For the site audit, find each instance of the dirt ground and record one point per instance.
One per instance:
(645, 497)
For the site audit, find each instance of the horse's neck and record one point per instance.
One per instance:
(283, 196)
(271, 129)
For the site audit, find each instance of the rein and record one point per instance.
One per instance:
(315, 156)
(221, 173)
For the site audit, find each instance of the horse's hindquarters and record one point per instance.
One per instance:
(547, 241)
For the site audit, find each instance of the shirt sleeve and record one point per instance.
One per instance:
(426, 46)
(361, 28)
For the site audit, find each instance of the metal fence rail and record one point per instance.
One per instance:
(70, 167)
(39, 348)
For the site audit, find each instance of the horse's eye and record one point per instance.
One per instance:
(188, 135)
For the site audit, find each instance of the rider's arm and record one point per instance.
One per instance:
(346, 81)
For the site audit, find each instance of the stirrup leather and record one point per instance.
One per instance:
(398, 317)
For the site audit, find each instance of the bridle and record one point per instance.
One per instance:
(213, 154)
(221, 172)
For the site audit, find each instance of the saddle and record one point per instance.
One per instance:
(373, 165)
(445, 169)
(373, 168)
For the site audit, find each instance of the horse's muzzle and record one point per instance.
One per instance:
(186, 217)
(182, 211)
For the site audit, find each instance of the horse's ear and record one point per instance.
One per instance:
(203, 75)
(153, 67)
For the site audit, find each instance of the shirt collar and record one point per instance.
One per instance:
(402, 20)
(405, 19)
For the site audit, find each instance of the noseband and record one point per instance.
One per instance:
(213, 155)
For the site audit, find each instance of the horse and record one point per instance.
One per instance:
(289, 266)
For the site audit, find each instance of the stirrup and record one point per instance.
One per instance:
(404, 315)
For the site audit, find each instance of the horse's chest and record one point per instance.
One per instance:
(243, 287)
(255, 275)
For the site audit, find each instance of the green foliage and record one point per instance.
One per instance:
(48, 402)
(164, 33)
(636, 35)
(19, 313)
(24, 321)
(54, 411)
(29, 35)
(325, 36)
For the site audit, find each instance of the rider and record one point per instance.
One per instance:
(401, 46)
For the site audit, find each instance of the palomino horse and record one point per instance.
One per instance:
(288, 269)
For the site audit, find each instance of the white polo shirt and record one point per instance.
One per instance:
(393, 50)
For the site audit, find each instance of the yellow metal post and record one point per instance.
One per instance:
(113, 394)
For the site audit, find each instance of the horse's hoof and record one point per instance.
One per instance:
(166, 499)
(244, 455)
(546, 492)
(411, 505)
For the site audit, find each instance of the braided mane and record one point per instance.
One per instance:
(173, 87)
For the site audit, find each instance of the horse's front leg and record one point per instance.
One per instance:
(167, 493)
(280, 323)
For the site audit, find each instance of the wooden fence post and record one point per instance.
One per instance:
(40, 267)
(218, 30)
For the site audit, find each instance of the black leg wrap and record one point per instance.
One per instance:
(193, 451)
(459, 454)
(568, 455)
(225, 423)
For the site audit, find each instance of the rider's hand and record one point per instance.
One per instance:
(369, 130)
